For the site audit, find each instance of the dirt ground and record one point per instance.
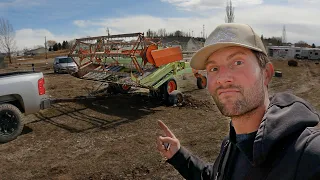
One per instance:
(115, 138)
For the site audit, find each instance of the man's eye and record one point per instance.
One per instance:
(213, 69)
(238, 62)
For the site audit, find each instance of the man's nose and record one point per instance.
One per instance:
(224, 75)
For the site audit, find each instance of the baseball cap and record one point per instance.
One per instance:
(225, 35)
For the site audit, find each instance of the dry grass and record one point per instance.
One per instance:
(31, 59)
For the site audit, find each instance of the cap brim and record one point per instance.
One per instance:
(199, 59)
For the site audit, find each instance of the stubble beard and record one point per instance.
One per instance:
(246, 100)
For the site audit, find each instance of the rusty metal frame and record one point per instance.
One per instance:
(106, 43)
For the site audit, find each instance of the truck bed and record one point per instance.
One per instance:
(16, 73)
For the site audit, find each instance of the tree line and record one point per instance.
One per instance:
(54, 46)
(277, 41)
(163, 33)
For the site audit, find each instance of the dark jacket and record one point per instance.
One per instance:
(286, 146)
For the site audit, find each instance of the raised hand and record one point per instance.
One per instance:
(167, 145)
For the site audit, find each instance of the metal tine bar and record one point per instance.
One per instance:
(91, 75)
(87, 75)
(112, 36)
(117, 68)
(112, 68)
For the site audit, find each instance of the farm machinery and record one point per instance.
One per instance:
(132, 60)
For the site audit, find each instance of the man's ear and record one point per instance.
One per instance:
(268, 73)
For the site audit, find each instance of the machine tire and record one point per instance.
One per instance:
(155, 93)
(10, 122)
(202, 82)
(168, 87)
(122, 88)
(112, 88)
(175, 97)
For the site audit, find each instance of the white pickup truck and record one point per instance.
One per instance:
(20, 93)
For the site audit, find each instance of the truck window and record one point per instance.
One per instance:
(65, 60)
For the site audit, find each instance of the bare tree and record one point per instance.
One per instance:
(162, 32)
(229, 12)
(7, 41)
(50, 43)
(71, 43)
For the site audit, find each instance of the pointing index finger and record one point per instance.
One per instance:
(165, 129)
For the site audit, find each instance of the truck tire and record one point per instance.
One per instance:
(10, 122)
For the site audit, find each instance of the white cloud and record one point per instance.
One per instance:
(81, 23)
(198, 5)
(29, 38)
(133, 24)
(305, 2)
(265, 19)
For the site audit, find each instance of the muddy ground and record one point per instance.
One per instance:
(115, 138)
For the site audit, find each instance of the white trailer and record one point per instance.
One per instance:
(278, 51)
(314, 54)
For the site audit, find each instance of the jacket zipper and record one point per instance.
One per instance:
(221, 159)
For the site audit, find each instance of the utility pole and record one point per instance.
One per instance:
(284, 35)
(108, 32)
(229, 12)
(45, 46)
(203, 32)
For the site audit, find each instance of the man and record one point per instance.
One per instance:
(270, 137)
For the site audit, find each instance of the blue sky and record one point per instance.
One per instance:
(65, 20)
(58, 15)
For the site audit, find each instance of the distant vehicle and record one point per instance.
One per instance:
(21, 92)
(64, 64)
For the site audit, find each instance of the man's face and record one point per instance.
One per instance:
(235, 81)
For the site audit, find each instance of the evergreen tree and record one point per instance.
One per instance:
(67, 45)
(64, 45)
(55, 47)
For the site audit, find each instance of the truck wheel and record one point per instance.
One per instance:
(10, 122)
(202, 82)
